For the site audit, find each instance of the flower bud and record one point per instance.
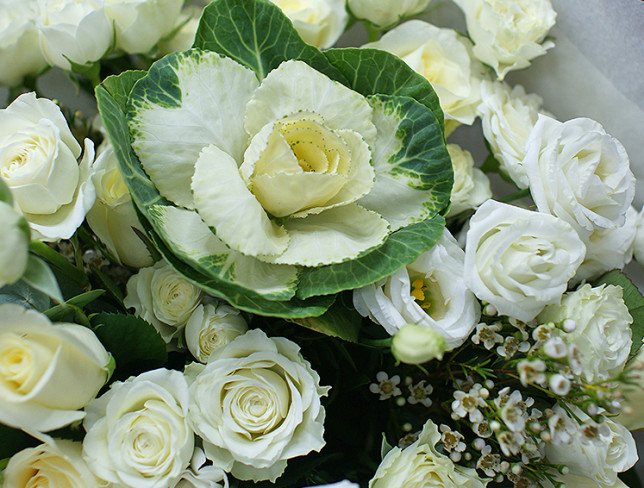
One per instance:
(415, 344)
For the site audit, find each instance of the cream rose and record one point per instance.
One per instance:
(319, 22)
(413, 466)
(603, 328)
(14, 244)
(638, 245)
(112, 218)
(140, 24)
(57, 464)
(38, 162)
(579, 173)
(471, 186)
(631, 415)
(518, 260)
(74, 31)
(47, 371)
(256, 405)
(138, 432)
(430, 292)
(608, 249)
(184, 37)
(443, 57)
(508, 34)
(20, 53)
(202, 475)
(339, 484)
(211, 327)
(601, 461)
(384, 13)
(508, 116)
(163, 298)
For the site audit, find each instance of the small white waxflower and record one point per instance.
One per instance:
(419, 393)
(532, 371)
(482, 429)
(543, 332)
(488, 335)
(489, 463)
(452, 440)
(510, 442)
(593, 433)
(556, 348)
(511, 345)
(561, 428)
(468, 403)
(386, 387)
(513, 412)
(559, 384)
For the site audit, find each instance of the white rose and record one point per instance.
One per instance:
(256, 404)
(443, 57)
(184, 37)
(47, 371)
(431, 292)
(384, 13)
(319, 22)
(518, 260)
(638, 245)
(579, 173)
(603, 328)
(57, 463)
(471, 186)
(112, 218)
(138, 432)
(508, 116)
(508, 34)
(14, 244)
(608, 249)
(575, 481)
(599, 461)
(140, 24)
(20, 53)
(163, 298)
(74, 31)
(416, 465)
(202, 475)
(339, 484)
(211, 327)
(38, 162)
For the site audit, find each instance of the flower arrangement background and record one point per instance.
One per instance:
(315, 197)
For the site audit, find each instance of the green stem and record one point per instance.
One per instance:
(373, 32)
(376, 342)
(517, 195)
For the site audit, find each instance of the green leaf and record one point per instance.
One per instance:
(60, 311)
(414, 175)
(341, 320)
(400, 249)
(40, 277)
(385, 447)
(135, 344)
(22, 294)
(14, 440)
(633, 300)
(69, 270)
(256, 34)
(5, 193)
(375, 72)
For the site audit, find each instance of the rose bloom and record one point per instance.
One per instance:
(140, 24)
(384, 13)
(471, 186)
(38, 162)
(430, 292)
(113, 218)
(47, 371)
(638, 245)
(57, 464)
(200, 474)
(211, 327)
(421, 463)
(73, 31)
(443, 57)
(14, 244)
(603, 328)
(579, 173)
(19, 45)
(162, 297)
(518, 260)
(256, 405)
(138, 432)
(319, 22)
(508, 34)
(508, 116)
(600, 461)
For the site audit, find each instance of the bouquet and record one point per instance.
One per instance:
(263, 263)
